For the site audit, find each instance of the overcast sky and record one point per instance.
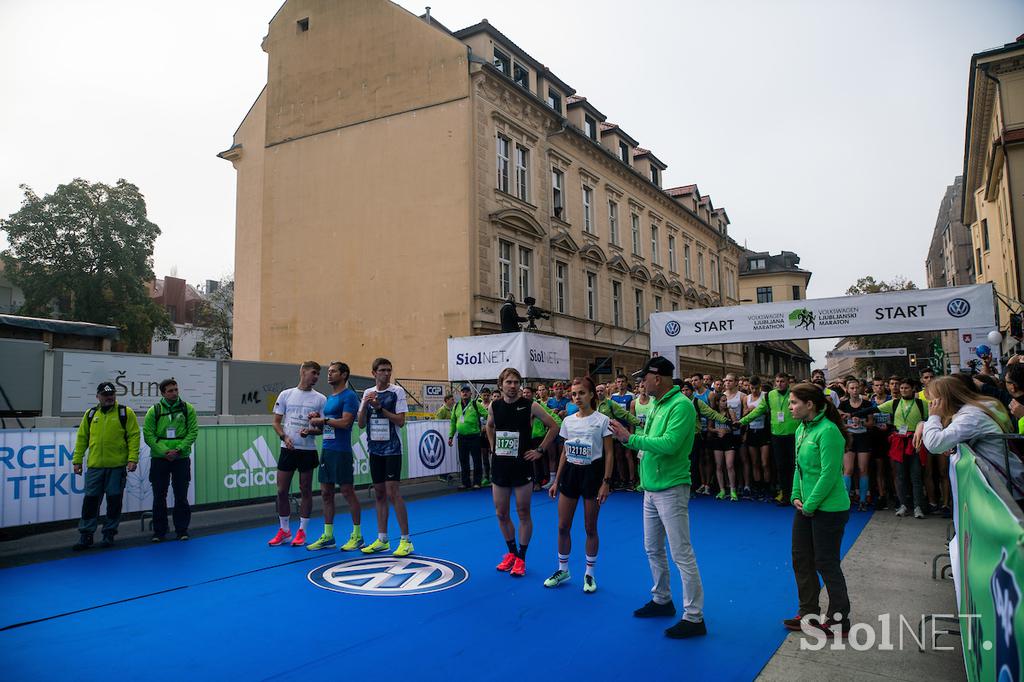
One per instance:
(823, 127)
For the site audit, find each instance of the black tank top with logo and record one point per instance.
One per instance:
(513, 417)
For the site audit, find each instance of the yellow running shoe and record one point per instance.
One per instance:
(355, 541)
(405, 548)
(377, 546)
(325, 542)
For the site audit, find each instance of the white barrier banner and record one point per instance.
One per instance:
(887, 313)
(481, 358)
(429, 452)
(39, 482)
(136, 379)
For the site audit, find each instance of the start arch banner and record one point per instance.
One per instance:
(885, 313)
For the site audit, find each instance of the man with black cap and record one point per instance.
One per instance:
(465, 419)
(664, 444)
(110, 434)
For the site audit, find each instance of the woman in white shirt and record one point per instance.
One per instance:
(958, 416)
(584, 470)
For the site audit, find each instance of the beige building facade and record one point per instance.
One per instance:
(993, 205)
(396, 180)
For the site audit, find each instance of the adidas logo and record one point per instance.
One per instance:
(256, 466)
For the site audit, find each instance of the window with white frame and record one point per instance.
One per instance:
(635, 226)
(714, 272)
(657, 304)
(655, 258)
(561, 286)
(686, 260)
(616, 303)
(555, 100)
(502, 62)
(638, 301)
(590, 126)
(673, 266)
(700, 268)
(521, 75)
(525, 262)
(504, 152)
(504, 267)
(757, 263)
(591, 295)
(522, 172)
(613, 222)
(588, 207)
(558, 193)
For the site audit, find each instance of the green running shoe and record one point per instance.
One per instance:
(733, 497)
(377, 546)
(485, 482)
(589, 584)
(557, 578)
(405, 548)
(325, 542)
(355, 541)
(720, 495)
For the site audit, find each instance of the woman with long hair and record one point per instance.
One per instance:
(822, 510)
(856, 413)
(959, 415)
(725, 442)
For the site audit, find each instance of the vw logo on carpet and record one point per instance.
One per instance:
(388, 576)
(432, 449)
(958, 307)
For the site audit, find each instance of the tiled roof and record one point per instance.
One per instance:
(640, 151)
(682, 191)
(609, 126)
(573, 99)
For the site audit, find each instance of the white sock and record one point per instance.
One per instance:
(591, 560)
(551, 475)
(284, 522)
(383, 537)
(405, 538)
(302, 524)
(563, 562)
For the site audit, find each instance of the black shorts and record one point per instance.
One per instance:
(511, 472)
(860, 442)
(336, 467)
(301, 460)
(580, 480)
(757, 437)
(385, 468)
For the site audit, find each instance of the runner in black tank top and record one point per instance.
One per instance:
(509, 429)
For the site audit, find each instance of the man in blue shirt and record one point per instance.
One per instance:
(336, 465)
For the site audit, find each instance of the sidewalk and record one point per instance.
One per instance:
(888, 571)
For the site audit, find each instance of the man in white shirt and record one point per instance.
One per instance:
(292, 411)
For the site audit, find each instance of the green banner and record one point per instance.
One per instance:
(990, 540)
(240, 462)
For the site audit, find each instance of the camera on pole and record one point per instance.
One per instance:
(534, 313)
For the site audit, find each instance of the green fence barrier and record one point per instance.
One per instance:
(990, 539)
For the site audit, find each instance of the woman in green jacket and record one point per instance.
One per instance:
(822, 510)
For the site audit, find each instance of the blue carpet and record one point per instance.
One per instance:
(228, 605)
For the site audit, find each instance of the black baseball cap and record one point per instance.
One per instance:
(466, 387)
(656, 365)
(106, 388)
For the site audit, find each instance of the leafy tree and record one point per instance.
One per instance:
(918, 343)
(214, 316)
(85, 252)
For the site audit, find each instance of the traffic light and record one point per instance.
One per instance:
(913, 359)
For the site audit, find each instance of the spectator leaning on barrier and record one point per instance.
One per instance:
(465, 423)
(169, 429)
(110, 433)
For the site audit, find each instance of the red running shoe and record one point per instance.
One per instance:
(281, 536)
(518, 568)
(300, 538)
(506, 562)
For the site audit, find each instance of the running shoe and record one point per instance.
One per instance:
(518, 568)
(157, 538)
(300, 538)
(746, 493)
(506, 562)
(183, 536)
(405, 548)
(557, 578)
(324, 542)
(901, 510)
(589, 584)
(918, 513)
(778, 496)
(377, 546)
(792, 624)
(733, 497)
(863, 506)
(355, 541)
(485, 481)
(720, 495)
(281, 536)
(108, 540)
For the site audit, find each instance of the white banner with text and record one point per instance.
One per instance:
(481, 358)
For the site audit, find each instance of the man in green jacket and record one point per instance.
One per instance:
(445, 411)
(776, 405)
(169, 429)
(664, 445)
(110, 434)
(465, 421)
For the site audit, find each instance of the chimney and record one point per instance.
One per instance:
(428, 15)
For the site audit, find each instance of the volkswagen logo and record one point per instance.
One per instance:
(388, 576)
(958, 307)
(432, 449)
(672, 328)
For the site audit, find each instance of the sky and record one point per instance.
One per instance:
(823, 127)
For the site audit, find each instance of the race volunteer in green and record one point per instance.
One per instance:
(542, 478)
(664, 448)
(465, 423)
(336, 459)
(169, 429)
(783, 425)
(822, 510)
(907, 411)
(110, 433)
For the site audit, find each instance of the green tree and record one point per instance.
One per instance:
(918, 343)
(214, 316)
(85, 252)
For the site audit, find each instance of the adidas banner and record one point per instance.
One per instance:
(39, 482)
